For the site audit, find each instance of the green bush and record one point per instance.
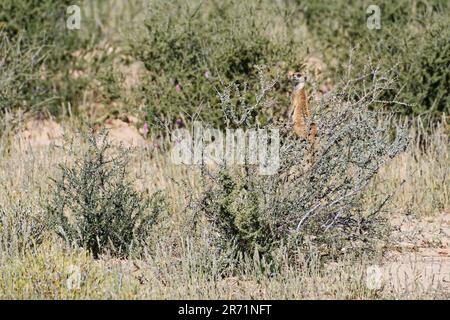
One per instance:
(198, 45)
(34, 43)
(19, 74)
(37, 21)
(422, 71)
(94, 206)
(36, 51)
(412, 41)
(182, 42)
(36, 55)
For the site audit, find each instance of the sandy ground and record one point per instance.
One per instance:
(420, 255)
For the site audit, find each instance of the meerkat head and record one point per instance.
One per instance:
(298, 78)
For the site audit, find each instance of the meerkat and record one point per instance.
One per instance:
(303, 128)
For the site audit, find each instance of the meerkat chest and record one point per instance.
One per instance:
(299, 99)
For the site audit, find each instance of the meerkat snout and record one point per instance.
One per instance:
(299, 80)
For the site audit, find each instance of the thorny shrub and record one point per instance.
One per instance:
(305, 205)
(94, 206)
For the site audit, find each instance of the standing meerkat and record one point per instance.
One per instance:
(303, 128)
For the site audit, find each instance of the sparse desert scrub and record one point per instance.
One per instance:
(422, 172)
(305, 205)
(35, 49)
(44, 68)
(221, 41)
(214, 45)
(190, 47)
(412, 39)
(22, 228)
(182, 264)
(93, 204)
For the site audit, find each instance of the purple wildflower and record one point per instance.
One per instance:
(146, 130)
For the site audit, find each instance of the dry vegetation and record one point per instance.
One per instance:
(179, 259)
(35, 264)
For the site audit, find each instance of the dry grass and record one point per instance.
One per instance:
(424, 170)
(180, 264)
(36, 265)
